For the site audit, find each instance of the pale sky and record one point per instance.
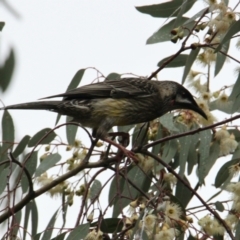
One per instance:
(53, 39)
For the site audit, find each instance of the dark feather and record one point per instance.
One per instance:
(124, 88)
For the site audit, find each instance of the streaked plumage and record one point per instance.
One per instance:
(103, 105)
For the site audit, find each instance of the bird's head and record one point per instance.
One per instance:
(180, 98)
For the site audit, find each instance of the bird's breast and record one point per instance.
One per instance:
(125, 111)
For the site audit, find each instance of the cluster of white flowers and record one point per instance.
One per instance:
(94, 235)
(44, 179)
(211, 226)
(161, 225)
(228, 144)
(78, 154)
(145, 162)
(234, 188)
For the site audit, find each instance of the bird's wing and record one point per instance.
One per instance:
(123, 88)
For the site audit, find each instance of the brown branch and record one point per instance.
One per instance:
(185, 134)
(49, 186)
(182, 49)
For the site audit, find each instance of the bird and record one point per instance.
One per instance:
(103, 105)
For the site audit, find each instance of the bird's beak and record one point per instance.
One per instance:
(198, 110)
(190, 104)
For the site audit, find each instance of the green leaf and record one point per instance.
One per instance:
(21, 146)
(60, 236)
(71, 131)
(156, 148)
(221, 58)
(169, 150)
(237, 234)
(37, 237)
(73, 84)
(76, 79)
(214, 195)
(16, 224)
(233, 29)
(194, 17)
(219, 206)
(47, 163)
(95, 189)
(182, 10)
(204, 148)
(167, 121)
(109, 225)
(39, 135)
(26, 219)
(190, 60)
(30, 165)
(7, 134)
(192, 154)
(80, 232)
(50, 227)
(183, 193)
(178, 61)
(34, 218)
(116, 187)
(185, 143)
(236, 89)
(213, 156)
(6, 71)
(223, 174)
(236, 133)
(164, 10)
(163, 34)
(191, 238)
(2, 25)
(126, 128)
(139, 135)
(227, 108)
(113, 76)
(3, 175)
(129, 193)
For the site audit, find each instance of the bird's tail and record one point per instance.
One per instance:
(44, 105)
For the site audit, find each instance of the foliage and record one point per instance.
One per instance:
(152, 180)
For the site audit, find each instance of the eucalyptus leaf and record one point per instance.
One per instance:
(43, 136)
(185, 143)
(164, 10)
(221, 58)
(73, 84)
(21, 146)
(178, 61)
(204, 148)
(224, 174)
(236, 89)
(2, 25)
(7, 134)
(6, 71)
(190, 60)
(50, 227)
(183, 194)
(137, 178)
(30, 166)
(60, 236)
(95, 189)
(233, 29)
(113, 76)
(219, 206)
(71, 131)
(80, 232)
(163, 34)
(47, 163)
